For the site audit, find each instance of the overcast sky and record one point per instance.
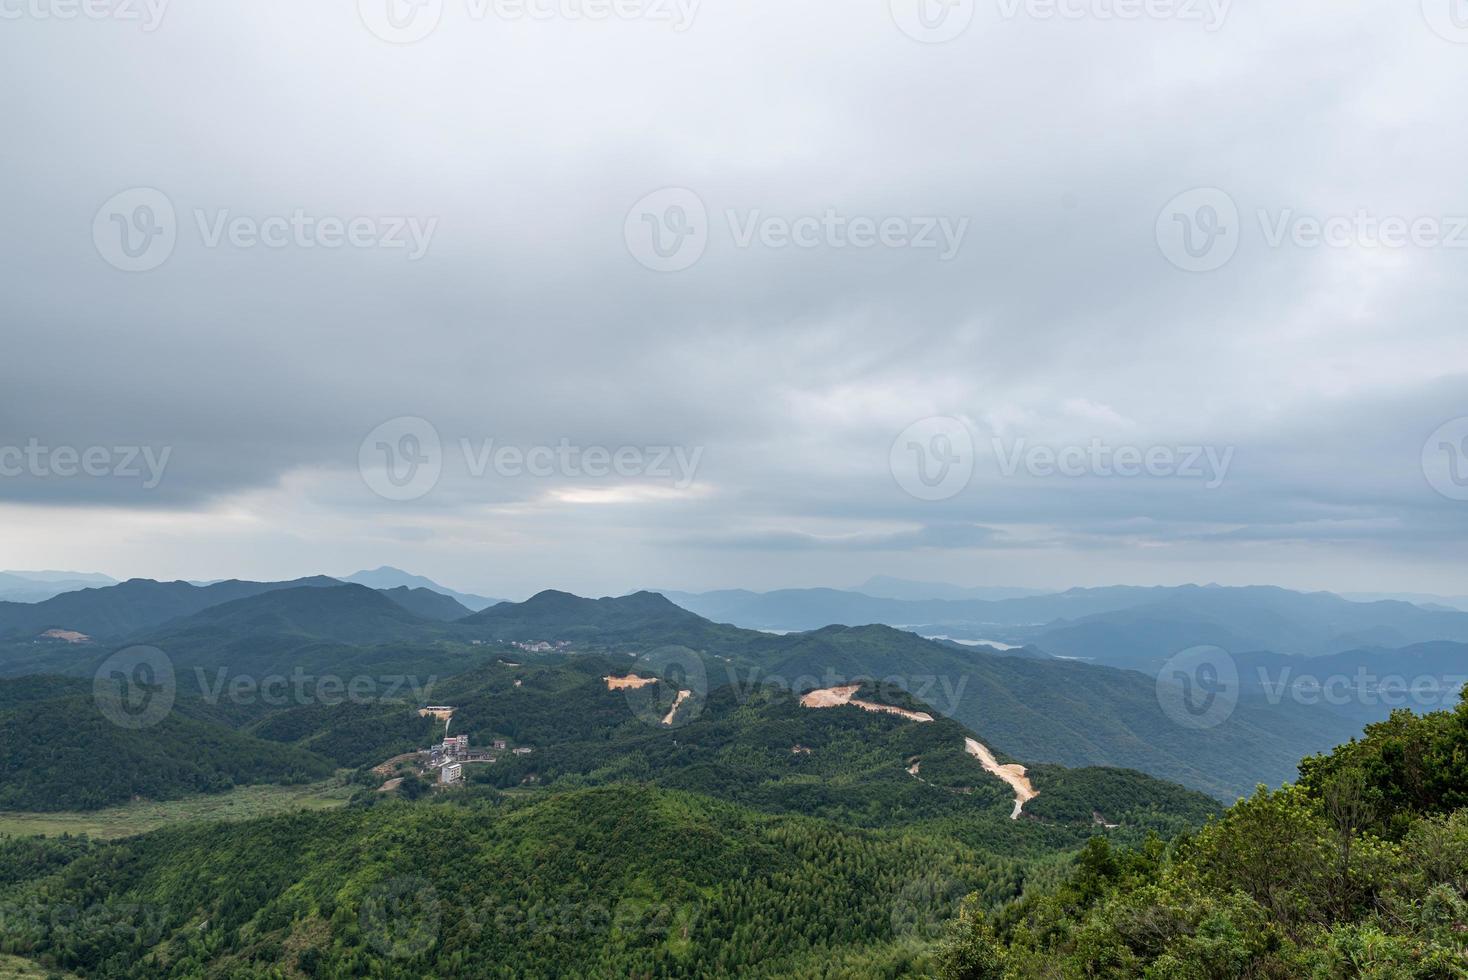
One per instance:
(586, 232)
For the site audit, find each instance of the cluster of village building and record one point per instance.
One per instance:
(451, 755)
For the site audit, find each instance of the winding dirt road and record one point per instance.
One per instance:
(1014, 775)
(834, 697)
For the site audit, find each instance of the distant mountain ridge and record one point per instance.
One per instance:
(387, 577)
(1124, 626)
(18, 586)
(125, 609)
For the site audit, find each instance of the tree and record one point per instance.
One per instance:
(971, 951)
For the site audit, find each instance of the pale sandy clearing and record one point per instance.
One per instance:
(70, 636)
(390, 785)
(677, 703)
(441, 713)
(834, 697)
(630, 681)
(1014, 774)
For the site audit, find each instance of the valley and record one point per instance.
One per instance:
(620, 777)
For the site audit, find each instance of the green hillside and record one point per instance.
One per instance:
(618, 881)
(58, 751)
(1358, 870)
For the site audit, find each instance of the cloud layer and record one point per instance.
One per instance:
(794, 351)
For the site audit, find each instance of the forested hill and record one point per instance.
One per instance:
(1358, 870)
(622, 846)
(1043, 710)
(759, 746)
(614, 882)
(59, 751)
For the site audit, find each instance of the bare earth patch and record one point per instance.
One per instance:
(70, 636)
(630, 681)
(1012, 774)
(834, 697)
(677, 703)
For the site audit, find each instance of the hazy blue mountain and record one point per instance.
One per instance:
(1246, 619)
(1426, 600)
(40, 586)
(886, 587)
(388, 577)
(1121, 626)
(427, 603)
(805, 609)
(89, 578)
(1363, 685)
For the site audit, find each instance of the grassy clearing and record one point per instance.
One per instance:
(240, 803)
(15, 968)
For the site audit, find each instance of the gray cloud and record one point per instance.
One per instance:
(529, 321)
